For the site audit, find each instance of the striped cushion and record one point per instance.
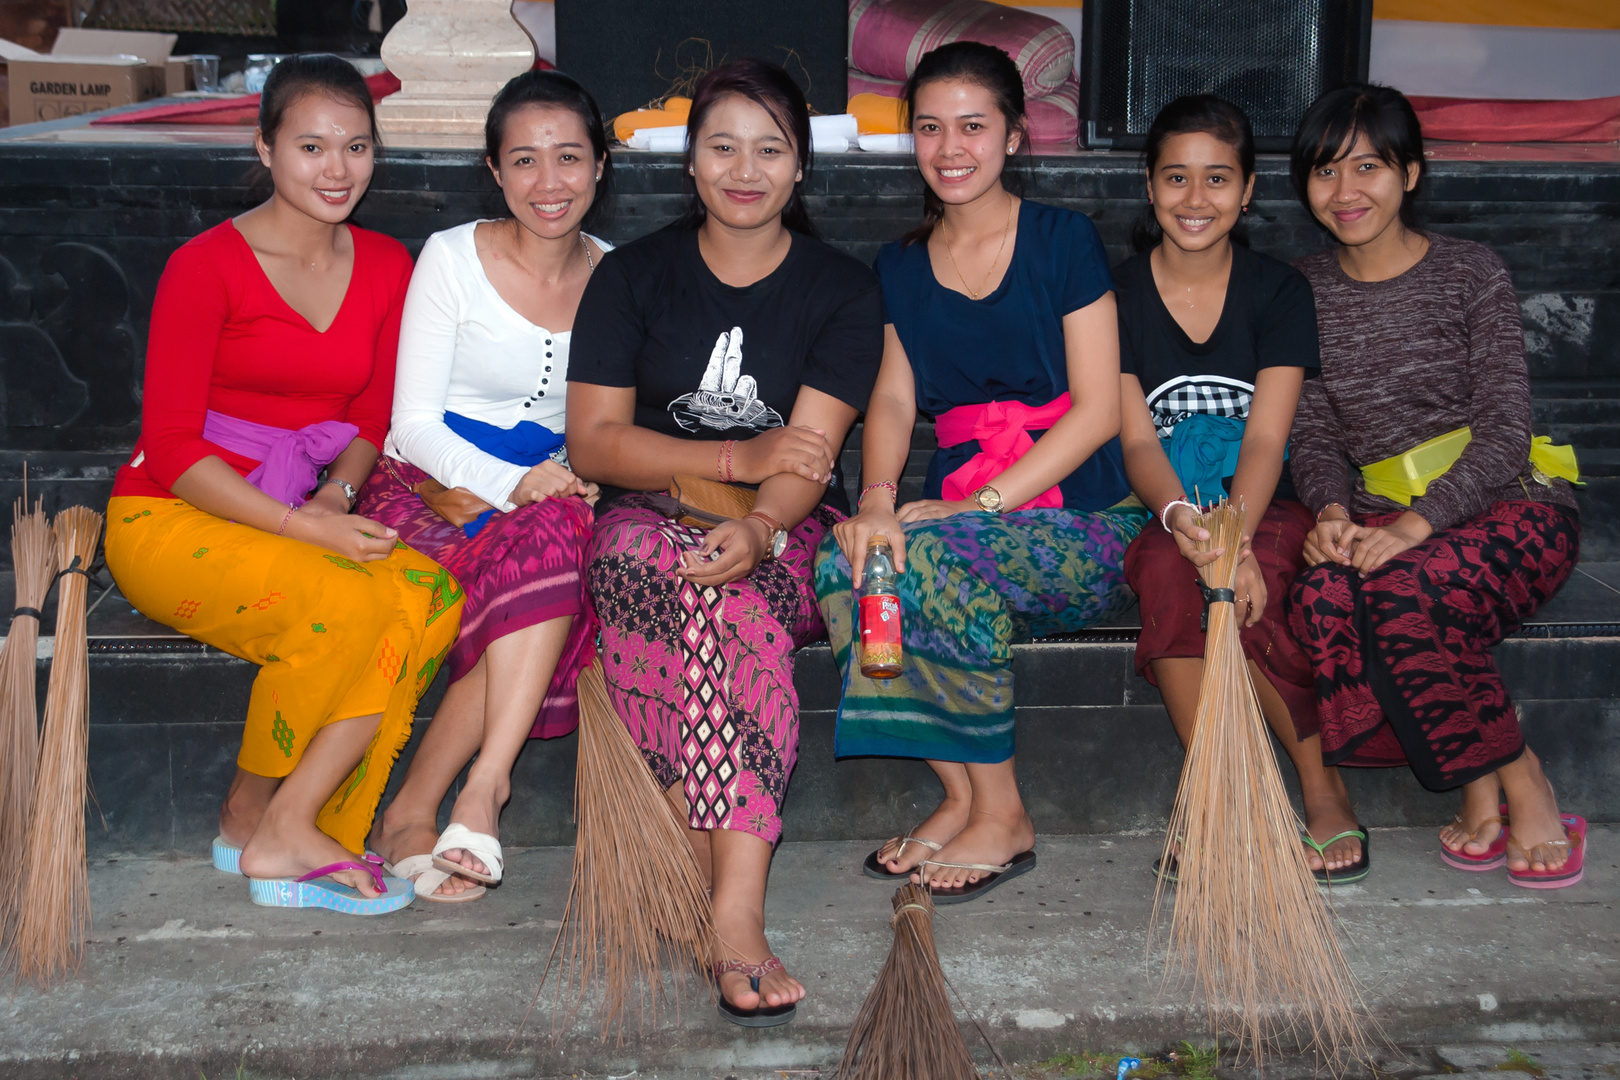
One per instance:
(1053, 118)
(888, 37)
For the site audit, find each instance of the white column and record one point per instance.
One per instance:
(451, 56)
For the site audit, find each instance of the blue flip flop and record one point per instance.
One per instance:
(310, 891)
(227, 856)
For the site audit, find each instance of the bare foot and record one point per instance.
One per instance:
(741, 936)
(478, 807)
(985, 839)
(281, 848)
(396, 837)
(244, 805)
(1479, 820)
(949, 818)
(1533, 844)
(1328, 813)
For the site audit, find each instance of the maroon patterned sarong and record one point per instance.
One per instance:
(1172, 606)
(703, 677)
(522, 569)
(1403, 668)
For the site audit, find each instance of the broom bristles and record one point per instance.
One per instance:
(638, 898)
(33, 557)
(1249, 925)
(53, 918)
(905, 1029)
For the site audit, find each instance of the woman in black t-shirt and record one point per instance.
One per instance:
(1215, 343)
(731, 345)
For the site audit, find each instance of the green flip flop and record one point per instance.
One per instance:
(1349, 875)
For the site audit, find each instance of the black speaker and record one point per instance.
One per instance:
(1270, 57)
(628, 52)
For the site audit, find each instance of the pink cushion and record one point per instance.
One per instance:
(1053, 118)
(888, 37)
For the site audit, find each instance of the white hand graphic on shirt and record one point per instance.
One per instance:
(725, 398)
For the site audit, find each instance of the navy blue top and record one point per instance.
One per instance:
(1007, 346)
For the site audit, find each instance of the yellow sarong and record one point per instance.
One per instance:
(334, 639)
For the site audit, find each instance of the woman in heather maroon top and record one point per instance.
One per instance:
(1420, 337)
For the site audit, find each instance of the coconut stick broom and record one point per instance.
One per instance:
(1249, 923)
(34, 558)
(53, 918)
(638, 898)
(905, 1029)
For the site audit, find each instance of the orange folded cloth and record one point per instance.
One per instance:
(674, 112)
(878, 115)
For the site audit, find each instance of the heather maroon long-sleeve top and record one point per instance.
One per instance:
(222, 338)
(1404, 360)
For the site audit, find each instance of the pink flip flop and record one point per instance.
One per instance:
(1574, 867)
(1494, 856)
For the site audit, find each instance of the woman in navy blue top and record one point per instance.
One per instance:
(1001, 327)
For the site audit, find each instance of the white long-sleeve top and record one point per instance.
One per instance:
(462, 349)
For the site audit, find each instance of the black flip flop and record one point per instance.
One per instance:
(873, 868)
(759, 1017)
(1345, 875)
(1170, 874)
(1022, 863)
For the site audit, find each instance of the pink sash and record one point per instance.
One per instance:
(1002, 429)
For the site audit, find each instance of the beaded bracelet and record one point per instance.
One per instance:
(1328, 507)
(728, 446)
(291, 510)
(894, 491)
(1164, 511)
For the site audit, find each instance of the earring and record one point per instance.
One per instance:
(1245, 208)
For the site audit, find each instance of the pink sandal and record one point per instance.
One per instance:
(1574, 867)
(1494, 856)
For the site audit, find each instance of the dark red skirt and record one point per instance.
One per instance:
(1167, 585)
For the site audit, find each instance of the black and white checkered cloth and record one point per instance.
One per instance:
(1185, 395)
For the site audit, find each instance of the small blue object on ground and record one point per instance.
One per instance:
(1126, 1064)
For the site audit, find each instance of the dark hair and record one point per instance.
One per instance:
(772, 89)
(1194, 114)
(1330, 126)
(554, 88)
(312, 73)
(982, 65)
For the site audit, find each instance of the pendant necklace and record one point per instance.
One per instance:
(972, 293)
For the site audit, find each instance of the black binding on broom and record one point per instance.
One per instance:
(75, 568)
(34, 611)
(1213, 596)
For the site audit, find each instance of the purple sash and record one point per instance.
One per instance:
(289, 461)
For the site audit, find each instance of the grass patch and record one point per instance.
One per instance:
(1186, 1061)
(1519, 1061)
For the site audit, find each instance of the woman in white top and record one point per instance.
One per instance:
(474, 473)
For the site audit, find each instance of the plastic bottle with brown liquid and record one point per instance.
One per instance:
(879, 601)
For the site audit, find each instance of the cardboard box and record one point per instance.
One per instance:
(87, 71)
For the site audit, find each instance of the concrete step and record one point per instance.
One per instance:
(184, 975)
(1096, 751)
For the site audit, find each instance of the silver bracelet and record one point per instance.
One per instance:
(1164, 515)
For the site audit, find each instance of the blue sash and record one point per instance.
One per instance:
(526, 443)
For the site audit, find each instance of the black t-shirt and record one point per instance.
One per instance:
(1269, 320)
(712, 361)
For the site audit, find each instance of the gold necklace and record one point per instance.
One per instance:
(1005, 229)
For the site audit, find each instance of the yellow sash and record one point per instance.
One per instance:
(1406, 476)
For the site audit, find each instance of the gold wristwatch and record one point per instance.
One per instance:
(989, 499)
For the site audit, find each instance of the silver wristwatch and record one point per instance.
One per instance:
(348, 490)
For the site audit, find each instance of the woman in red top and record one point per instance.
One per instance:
(271, 355)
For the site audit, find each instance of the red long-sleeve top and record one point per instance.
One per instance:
(222, 338)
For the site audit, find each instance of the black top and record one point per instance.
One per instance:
(713, 361)
(1268, 320)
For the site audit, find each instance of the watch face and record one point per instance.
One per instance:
(778, 544)
(988, 498)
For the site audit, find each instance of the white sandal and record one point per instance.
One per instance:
(426, 878)
(485, 848)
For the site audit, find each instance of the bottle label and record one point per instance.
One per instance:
(880, 631)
